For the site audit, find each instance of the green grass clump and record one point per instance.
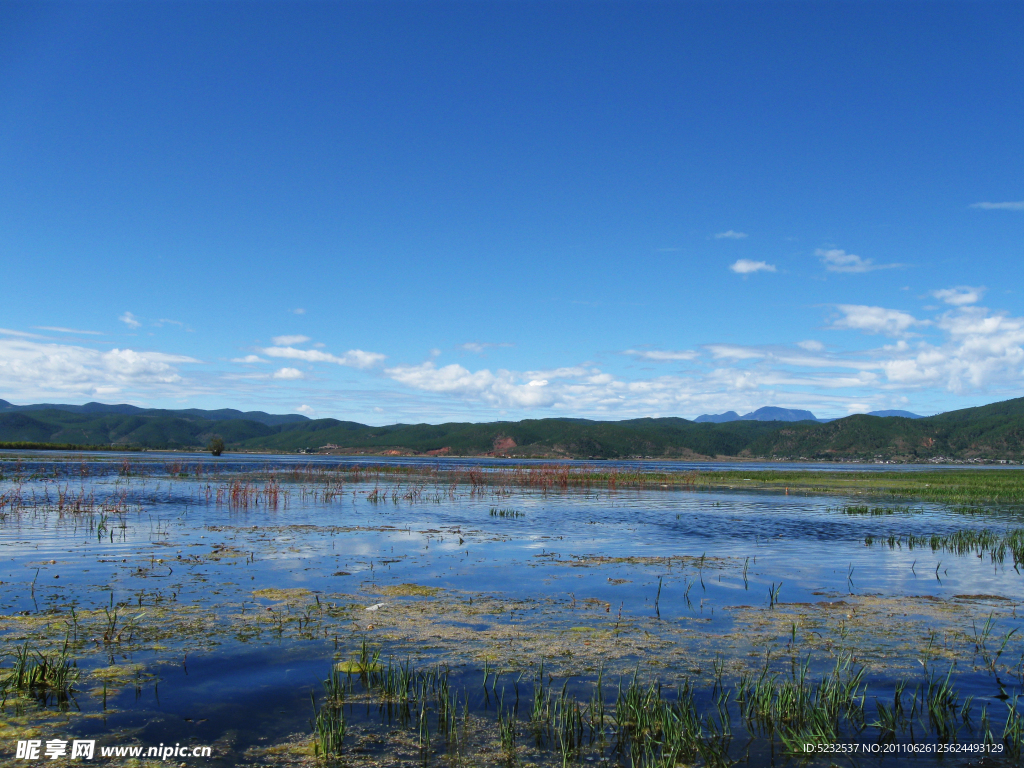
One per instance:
(48, 678)
(864, 509)
(329, 726)
(997, 545)
(495, 512)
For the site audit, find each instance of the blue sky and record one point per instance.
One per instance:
(432, 211)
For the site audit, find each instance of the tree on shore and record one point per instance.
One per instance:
(216, 445)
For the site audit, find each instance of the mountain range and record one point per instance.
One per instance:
(990, 432)
(771, 413)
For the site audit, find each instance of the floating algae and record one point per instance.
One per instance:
(282, 595)
(409, 590)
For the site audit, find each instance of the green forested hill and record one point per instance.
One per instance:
(63, 427)
(123, 409)
(993, 431)
(532, 437)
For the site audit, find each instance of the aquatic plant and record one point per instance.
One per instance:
(495, 512)
(1013, 731)
(329, 726)
(47, 677)
(997, 545)
(507, 728)
(864, 509)
(800, 711)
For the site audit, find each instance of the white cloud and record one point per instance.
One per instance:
(959, 296)
(585, 389)
(287, 341)
(962, 349)
(663, 355)
(34, 369)
(979, 322)
(746, 267)
(730, 235)
(354, 358)
(1012, 206)
(306, 410)
(130, 320)
(966, 349)
(58, 329)
(499, 388)
(837, 260)
(980, 349)
(891, 322)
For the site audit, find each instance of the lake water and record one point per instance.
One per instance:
(204, 600)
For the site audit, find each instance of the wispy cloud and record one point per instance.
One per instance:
(838, 260)
(811, 345)
(298, 311)
(21, 334)
(130, 320)
(747, 267)
(663, 355)
(354, 358)
(734, 352)
(730, 235)
(479, 347)
(167, 321)
(959, 296)
(1017, 205)
(287, 341)
(289, 374)
(58, 329)
(248, 359)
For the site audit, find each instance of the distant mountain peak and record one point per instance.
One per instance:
(767, 413)
(774, 413)
(717, 418)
